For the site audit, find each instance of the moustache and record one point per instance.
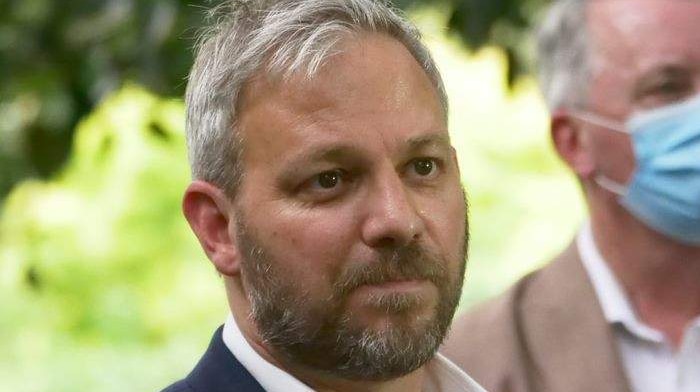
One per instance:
(410, 262)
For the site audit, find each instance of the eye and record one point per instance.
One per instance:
(329, 179)
(664, 86)
(423, 168)
(672, 89)
(325, 185)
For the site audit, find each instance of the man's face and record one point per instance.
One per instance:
(351, 218)
(645, 54)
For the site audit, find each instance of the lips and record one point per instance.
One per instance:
(403, 269)
(388, 282)
(406, 292)
(399, 284)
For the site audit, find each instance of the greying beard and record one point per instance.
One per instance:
(320, 335)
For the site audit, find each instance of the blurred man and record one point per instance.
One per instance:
(619, 309)
(327, 194)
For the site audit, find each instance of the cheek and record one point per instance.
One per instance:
(445, 221)
(614, 155)
(310, 245)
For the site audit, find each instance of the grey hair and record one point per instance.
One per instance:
(280, 37)
(564, 64)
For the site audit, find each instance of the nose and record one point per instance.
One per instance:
(392, 218)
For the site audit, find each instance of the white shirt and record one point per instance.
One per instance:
(650, 361)
(441, 374)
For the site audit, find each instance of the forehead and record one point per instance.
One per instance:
(372, 90)
(639, 27)
(635, 41)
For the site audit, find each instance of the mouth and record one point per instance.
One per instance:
(394, 298)
(398, 285)
(401, 286)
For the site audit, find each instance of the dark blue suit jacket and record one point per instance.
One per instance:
(217, 371)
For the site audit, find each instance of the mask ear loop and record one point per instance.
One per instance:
(606, 183)
(600, 121)
(610, 185)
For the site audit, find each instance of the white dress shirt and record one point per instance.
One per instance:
(650, 360)
(441, 374)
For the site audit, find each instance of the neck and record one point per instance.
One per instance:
(660, 276)
(318, 381)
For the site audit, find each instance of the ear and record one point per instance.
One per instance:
(570, 141)
(209, 211)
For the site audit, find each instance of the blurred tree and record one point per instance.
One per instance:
(59, 59)
(502, 23)
(111, 212)
(99, 255)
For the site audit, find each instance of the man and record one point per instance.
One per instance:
(327, 195)
(619, 309)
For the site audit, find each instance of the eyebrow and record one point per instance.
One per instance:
(330, 153)
(337, 152)
(668, 71)
(440, 139)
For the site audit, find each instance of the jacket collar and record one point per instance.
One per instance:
(571, 344)
(219, 371)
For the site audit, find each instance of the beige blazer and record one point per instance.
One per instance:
(546, 334)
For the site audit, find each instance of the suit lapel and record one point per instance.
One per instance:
(220, 371)
(565, 335)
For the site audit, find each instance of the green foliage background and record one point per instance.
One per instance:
(58, 59)
(104, 288)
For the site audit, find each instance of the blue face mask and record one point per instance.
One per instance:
(664, 191)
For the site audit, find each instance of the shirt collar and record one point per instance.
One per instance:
(441, 374)
(269, 376)
(616, 306)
